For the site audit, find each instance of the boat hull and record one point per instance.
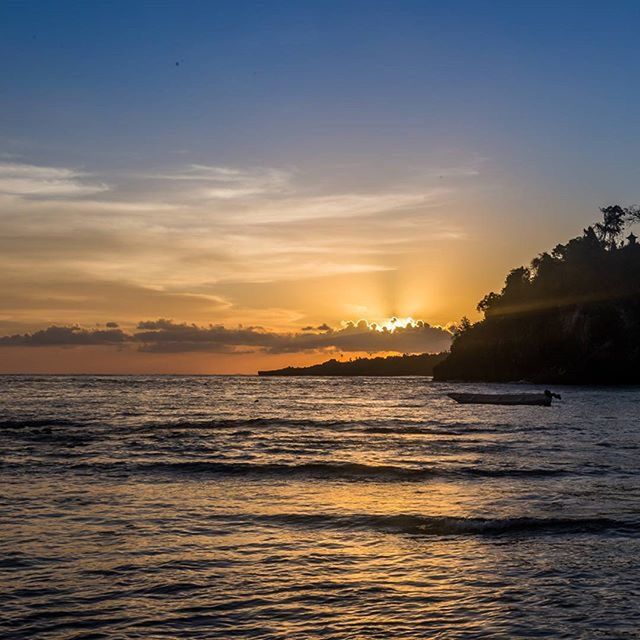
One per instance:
(531, 399)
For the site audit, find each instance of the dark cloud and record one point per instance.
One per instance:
(65, 336)
(161, 323)
(322, 327)
(418, 338)
(112, 325)
(166, 336)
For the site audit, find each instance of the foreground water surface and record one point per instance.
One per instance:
(231, 507)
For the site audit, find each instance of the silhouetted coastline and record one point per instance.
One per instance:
(571, 317)
(405, 365)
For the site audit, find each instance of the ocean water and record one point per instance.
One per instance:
(241, 507)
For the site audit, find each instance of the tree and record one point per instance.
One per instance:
(572, 316)
(614, 220)
(457, 330)
(485, 305)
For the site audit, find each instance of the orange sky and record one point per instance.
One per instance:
(244, 248)
(109, 361)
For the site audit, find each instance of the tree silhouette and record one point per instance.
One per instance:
(614, 218)
(405, 365)
(573, 315)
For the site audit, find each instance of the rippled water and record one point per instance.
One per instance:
(230, 507)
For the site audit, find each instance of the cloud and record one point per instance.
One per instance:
(227, 183)
(183, 247)
(189, 242)
(268, 195)
(343, 205)
(65, 337)
(166, 336)
(362, 337)
(71, 300)
(323, 327)
(31, 181)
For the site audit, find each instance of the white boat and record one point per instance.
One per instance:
(539, 399)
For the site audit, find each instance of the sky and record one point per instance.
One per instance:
(219, 187)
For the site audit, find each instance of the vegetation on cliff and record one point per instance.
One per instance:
(406, 365)
(572, 316)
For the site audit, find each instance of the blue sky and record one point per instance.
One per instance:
(550, 87)
(294, 163)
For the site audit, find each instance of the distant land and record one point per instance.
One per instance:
(571, 317)
(406, 365)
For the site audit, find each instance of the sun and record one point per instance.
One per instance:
(391, 324)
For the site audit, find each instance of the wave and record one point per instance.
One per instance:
(412, 430)
(457, 526)
(36, 423)
(382, 426)
(235, 423)
(320, 470)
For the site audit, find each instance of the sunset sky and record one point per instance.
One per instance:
(217, 187)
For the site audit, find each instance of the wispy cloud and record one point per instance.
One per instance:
(27, 180)
(160, 230)
(168, 236)
(226, 183)
(343, 205)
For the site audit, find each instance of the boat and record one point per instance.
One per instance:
(537, 399)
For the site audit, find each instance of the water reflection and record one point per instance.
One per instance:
(176, 508)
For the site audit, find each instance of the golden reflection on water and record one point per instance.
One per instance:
(315, 522)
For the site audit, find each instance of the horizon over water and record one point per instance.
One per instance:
(172, 506)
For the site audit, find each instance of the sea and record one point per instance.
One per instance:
(153, 507)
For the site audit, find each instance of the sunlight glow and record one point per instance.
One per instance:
(391, 324)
